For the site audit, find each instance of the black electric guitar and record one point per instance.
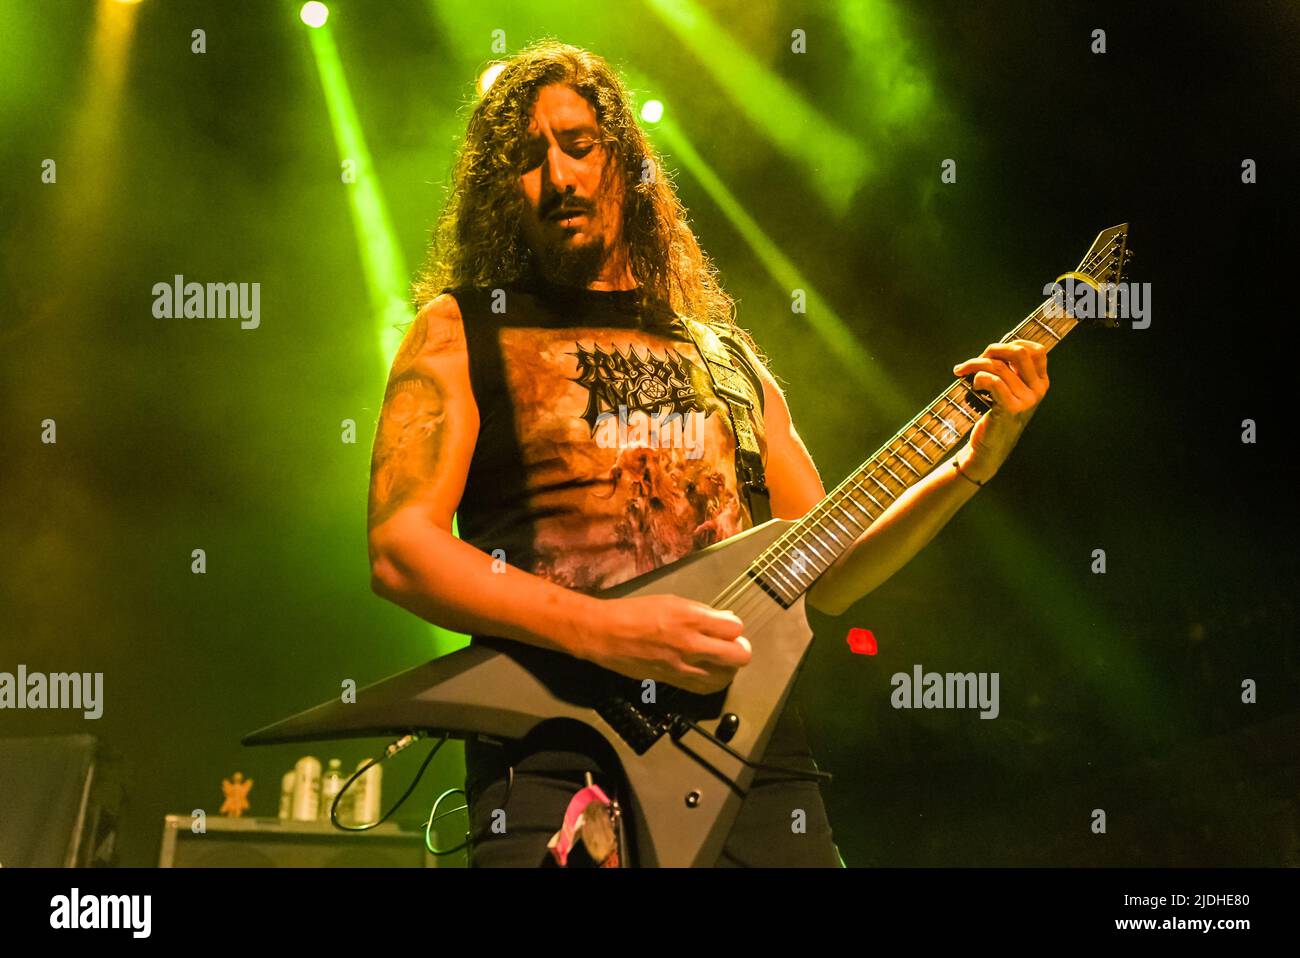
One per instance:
(689, 759)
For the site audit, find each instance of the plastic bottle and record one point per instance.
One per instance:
(286, 794)
(330, 786)
(306, 789)
(366, 806)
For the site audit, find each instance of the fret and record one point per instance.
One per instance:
(894, 476)
(826, 529)
(813, 532)
(862, 508)
(831, 516)
(919, 452)
(889, 492)
(936, 442)
(870, 517)
(960, 408)
(903, 459)
(810, 546)
(1049, 329)
(1027, 331)
(799, 577)
(768, 588)
(775, 568)
(951, 429)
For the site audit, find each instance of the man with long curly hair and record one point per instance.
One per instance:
(555, 394)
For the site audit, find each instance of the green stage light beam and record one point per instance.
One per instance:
(381, 256)
(825, 322)
(836, 163)
(96, 129)
(893, 89)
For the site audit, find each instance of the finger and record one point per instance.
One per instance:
(1016, 356)
(719, 623)
(706, 651)
(1037, 352)
(1001, 389)
(694, 678)
(1003, 373)
(1020, 358)
(1035, 355)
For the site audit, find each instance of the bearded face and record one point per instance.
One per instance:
(572, 212)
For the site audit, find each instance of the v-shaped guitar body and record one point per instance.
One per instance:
(684, 790)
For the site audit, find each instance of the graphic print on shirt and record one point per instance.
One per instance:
(629, 457)
(635, 383)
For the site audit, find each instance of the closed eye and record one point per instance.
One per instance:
(534, 152)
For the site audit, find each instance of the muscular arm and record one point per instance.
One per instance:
(427, 431)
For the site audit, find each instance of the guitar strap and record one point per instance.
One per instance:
(735, 389)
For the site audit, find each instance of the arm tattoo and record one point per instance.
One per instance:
(440, 336)
(408, 444)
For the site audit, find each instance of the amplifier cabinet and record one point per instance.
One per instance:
(283, 843)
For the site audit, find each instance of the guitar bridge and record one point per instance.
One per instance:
(638, 725)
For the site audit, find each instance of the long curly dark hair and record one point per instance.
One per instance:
(478, 240)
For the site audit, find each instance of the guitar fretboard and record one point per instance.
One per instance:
(790, 566)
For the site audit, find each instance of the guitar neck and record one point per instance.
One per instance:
(790, 566)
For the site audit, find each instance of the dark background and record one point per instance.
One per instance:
(1119, 691)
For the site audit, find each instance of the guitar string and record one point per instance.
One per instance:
(744, 592)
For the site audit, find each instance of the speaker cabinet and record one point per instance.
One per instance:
(60, 810)
(280, 843)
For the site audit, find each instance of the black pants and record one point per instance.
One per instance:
(528, 807)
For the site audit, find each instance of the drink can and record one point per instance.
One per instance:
(366, 807)
(306, 789)
(286, 794)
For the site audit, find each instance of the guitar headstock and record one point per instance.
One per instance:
(1105, 266)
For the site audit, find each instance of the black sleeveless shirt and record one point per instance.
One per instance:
(603, 451)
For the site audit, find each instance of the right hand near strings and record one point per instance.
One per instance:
(668, 639)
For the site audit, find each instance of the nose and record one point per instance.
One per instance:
(560, 173)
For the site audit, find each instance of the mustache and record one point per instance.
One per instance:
(567, 204)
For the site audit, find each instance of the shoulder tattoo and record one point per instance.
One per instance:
(408, 444)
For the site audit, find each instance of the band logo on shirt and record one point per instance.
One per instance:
(637, 383)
